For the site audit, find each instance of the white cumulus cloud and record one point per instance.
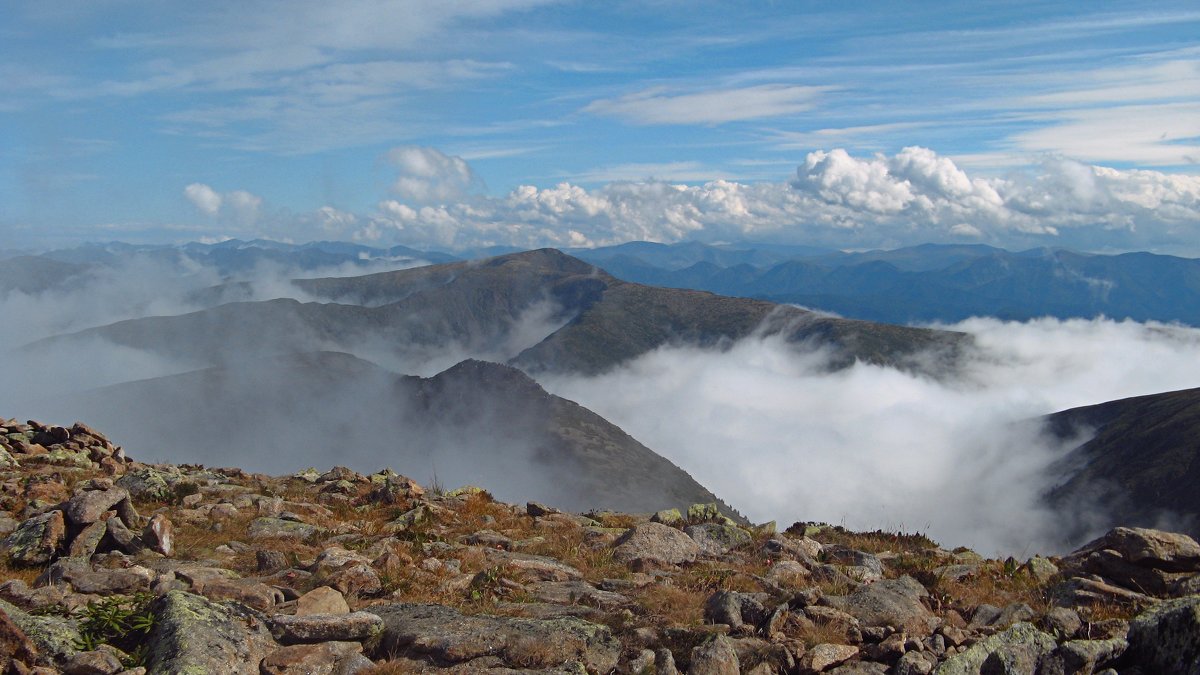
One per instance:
(204, 198)
(427, 175)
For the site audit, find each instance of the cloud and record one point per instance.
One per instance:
(835, 199)
(242, 206)
(779, 437)
(428, 175)
(717, 106)
(204, 198)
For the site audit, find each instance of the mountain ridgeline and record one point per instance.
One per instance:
(928, 283)
(539, 310)
(475, 423)
(1141, 461)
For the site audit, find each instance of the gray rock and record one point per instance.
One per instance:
(825, 656)
(734, 609)
(1167, 551)
(892, 602)
(328, 658)
(575, 592)
(84, 544)
(1016, 650)
(37, 540)
(860, 668)
(717, 538)
(148, 483)
(53, 636)
(655, 544)
(277, 528)
(79, 573)
(1166, 637)
(322, 600)
(1017, 611)
(1063, 622)
(439, 634)
(88, 506)
(93, 663)
(537, 567)
(715, 657)
(664, 662)
(194, 635)
(1082, 656)
(985, 615)
(915, 663)
(858, 565)
(311, 628)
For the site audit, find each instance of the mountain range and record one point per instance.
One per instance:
(476, 422)
(926, 283)
(300, 378)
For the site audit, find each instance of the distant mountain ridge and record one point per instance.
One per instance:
(474, 423)
(936, 283)
(925, 283)
(590, 321)
(1141, 463)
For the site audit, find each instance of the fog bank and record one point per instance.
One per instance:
(781, 438)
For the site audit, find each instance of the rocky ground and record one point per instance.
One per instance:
(113, 566)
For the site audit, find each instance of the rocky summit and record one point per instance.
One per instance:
(111, 566)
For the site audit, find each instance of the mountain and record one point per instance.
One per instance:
(944, 283)
(1141, 465)
(542, 310)
(34, 274)
(475, 423)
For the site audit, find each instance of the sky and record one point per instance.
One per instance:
(533, 122)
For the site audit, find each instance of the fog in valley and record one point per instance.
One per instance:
(771, 430)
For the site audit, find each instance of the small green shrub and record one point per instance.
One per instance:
(121, 621)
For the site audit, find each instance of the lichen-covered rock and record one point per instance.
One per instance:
(311, 628)
(715, 657)
(15, 645)
(194, 636)
(824, 656)
(37, 540)
(148, 483)
(277, 528)
(655, 544)
(1166, 637)
(1016, 650)
(892, 602)
(717, 538)
(438, 634)
(54, 637)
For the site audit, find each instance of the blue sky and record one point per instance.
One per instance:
(532, 122)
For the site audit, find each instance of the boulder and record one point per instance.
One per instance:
(15, 645)
(442, 635)
(1166, 637)
(327, 658)
(653, 545)
(159, 535)
(53, 637)
(1012, 652)
(194, 635)
(278, 528)
(825, 656)
(311, 628)
(715, 657)
(322, 600)
(892, 602)
(89, 505)
(37, 540)
(717, 538)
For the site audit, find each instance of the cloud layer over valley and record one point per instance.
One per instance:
(770, 430)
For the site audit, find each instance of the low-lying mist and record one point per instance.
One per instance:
(959, 457)
(769, 429)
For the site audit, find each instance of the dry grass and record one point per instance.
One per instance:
(993, 585)
(670, 605)
(10, 571)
